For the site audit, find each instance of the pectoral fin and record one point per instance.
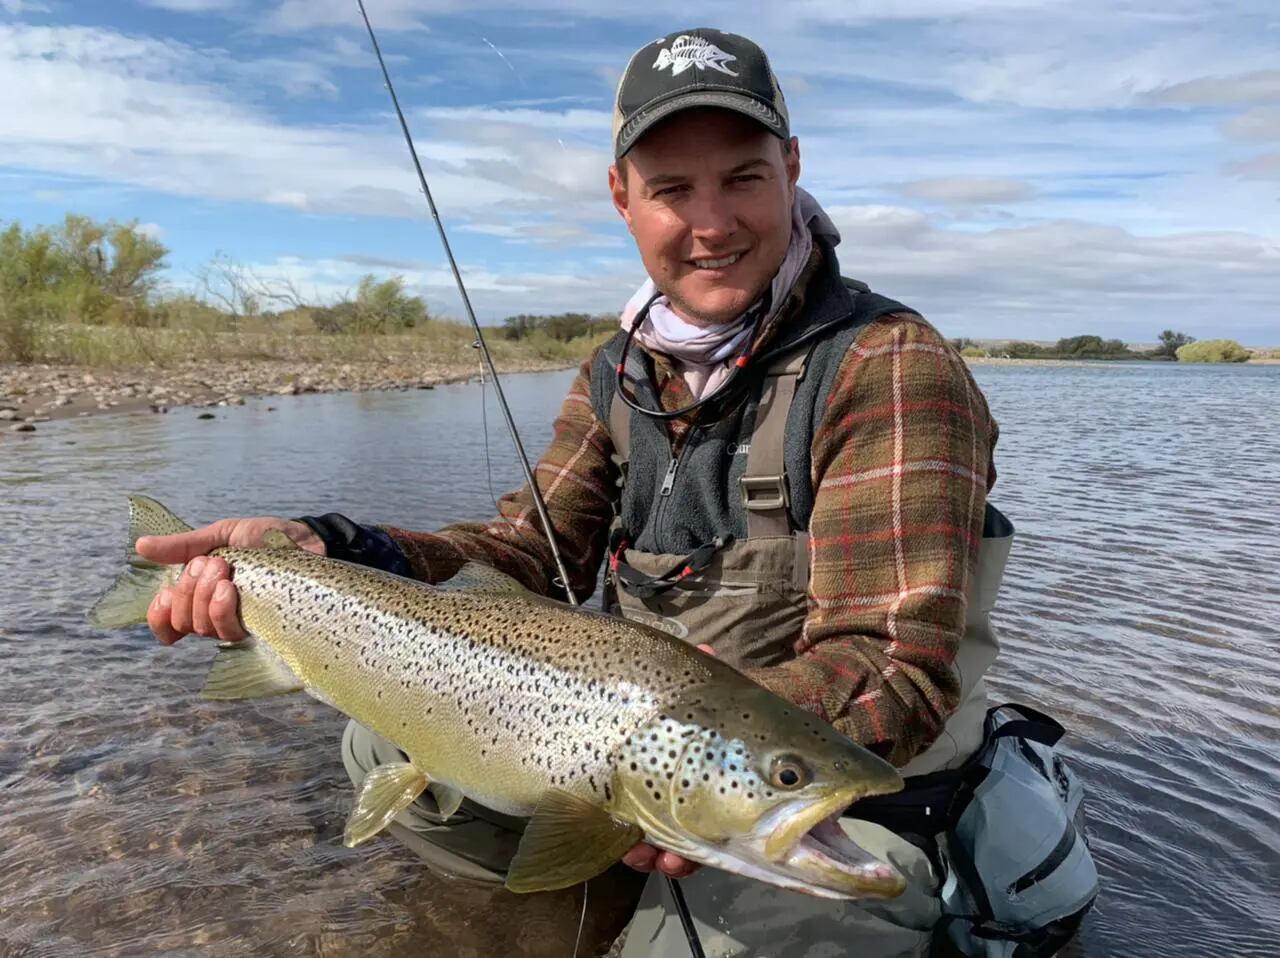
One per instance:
(248, 669)
(275, 539)
(447, 798)
(385, 792)
(567, 841)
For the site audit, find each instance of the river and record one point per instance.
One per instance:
(1142, 607)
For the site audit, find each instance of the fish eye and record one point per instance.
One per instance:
(789, 772)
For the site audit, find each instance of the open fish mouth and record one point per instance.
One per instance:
(839, 866)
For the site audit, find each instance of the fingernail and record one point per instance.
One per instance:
(222, 591)
(195, 567)
(164, 600)
(210, 570)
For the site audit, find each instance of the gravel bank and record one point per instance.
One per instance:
(34, 393)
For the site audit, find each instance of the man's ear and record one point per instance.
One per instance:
(618, 190)
(792, 160)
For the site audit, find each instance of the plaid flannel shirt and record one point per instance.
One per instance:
(901, 466)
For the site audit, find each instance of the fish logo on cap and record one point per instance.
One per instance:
(687, 51)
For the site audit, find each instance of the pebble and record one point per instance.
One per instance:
(23, 427)
(7, 415)
(206, 415)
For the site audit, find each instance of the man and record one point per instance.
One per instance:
(794, 471)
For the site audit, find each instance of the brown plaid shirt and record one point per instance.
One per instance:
(901, 466)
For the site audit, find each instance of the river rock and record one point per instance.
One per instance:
(23, 427)
(8, 415)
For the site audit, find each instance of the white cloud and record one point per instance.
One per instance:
(1259, 86)
(192, 6)
(1265, 167)
(17, 7)
(1047, 277)
(136, 110)
(1260, 123)
(968, 190)
(601, 288)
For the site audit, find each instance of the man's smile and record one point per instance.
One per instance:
(722, 262)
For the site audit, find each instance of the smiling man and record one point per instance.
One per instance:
(777, 464)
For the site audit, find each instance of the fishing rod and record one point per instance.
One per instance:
(682, 908)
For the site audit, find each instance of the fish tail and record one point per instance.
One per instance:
(126, 602)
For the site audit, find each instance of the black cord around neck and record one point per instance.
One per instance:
(740, 364)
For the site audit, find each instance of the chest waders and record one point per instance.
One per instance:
(710, 544)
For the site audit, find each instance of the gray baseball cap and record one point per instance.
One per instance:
(700, 67)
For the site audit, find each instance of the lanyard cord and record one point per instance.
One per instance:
(724, 389)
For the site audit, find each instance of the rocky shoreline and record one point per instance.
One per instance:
(31, 394)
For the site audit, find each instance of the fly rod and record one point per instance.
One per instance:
(686, 920)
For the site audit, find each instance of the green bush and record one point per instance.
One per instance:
(1213, 351)
(564, 327)
(973, 352)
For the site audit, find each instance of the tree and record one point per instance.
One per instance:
(111, 268)
(1171, 342)
(1213, 351)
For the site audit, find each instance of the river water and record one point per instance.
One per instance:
(1142, 607)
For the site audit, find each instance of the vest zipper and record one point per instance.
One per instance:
(669, 480)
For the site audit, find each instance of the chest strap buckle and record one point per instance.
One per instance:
(761, 493)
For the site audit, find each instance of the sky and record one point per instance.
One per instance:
(1011, 168)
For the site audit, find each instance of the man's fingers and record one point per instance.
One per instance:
(224, 612)
(641, 857)
(675, 866)
(180, 608)
(213, 571)
(171, 550)
(158, 618)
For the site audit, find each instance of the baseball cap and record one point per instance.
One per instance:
(700, 67)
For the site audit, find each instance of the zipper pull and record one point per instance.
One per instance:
(669, 480)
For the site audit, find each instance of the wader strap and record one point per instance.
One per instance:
(636, 583)
(620, 433)
(765, 496)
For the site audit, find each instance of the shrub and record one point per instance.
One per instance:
(974, 352)
(1213, 351)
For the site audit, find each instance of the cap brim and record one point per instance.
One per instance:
(748, 106)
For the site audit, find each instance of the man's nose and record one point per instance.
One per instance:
(713, 216)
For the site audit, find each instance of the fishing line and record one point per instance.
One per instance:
(686, 920)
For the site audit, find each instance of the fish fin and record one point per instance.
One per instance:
(385, 792)
(126, 602)
(249, 669)
(447, 798)
(478, 577)
(275, 539)
(567, 841)
(149, 518)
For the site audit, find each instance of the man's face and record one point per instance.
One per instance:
(707, 195)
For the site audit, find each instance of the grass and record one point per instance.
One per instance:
(437, 341)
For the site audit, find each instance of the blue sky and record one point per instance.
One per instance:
(1020, 168)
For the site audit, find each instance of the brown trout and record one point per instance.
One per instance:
(602, 732)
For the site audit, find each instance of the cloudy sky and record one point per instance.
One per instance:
(1026, 168)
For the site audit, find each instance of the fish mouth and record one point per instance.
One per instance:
(811, 845)
(843, 868)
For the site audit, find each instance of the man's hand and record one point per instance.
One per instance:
(644, 857)
(204, 601)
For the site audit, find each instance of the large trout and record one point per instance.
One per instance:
(601, 731)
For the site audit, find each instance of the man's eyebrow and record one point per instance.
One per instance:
(667, 179)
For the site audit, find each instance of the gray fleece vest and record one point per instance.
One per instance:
(675, 505)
